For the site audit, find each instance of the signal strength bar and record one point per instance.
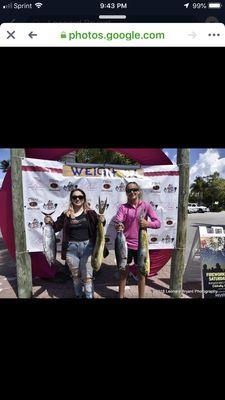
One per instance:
(8, 6)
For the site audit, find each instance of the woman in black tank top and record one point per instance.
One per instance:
(79, 226)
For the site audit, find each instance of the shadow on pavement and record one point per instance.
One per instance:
(109, 276)
(52, 289)
(161, 288)
(60, 286)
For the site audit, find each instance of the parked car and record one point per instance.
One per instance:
(194, 208)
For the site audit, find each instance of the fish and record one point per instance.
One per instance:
(101, 205)
(49, 243)
(97, 255)
(121, 251)
(143, 259)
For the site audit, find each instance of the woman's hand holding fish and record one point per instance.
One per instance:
(144, 223)
(101, 218)
(119, 226)
(48, 220)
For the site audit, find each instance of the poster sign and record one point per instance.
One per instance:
(47, 185)
(212, 251)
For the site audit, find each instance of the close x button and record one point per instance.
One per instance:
(11, 35)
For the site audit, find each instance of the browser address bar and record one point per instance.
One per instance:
(112, 34)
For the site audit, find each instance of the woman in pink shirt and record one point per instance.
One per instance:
(127, 219)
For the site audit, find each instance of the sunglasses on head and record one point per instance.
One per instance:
(77, 197)
(132, 190)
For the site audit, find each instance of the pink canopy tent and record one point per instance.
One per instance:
(143, 156)
(40, 266)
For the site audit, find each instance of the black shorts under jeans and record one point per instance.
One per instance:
(132, 254)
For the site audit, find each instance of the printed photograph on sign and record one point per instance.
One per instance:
(212, 250)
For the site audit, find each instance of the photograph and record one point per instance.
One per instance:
(90, 224)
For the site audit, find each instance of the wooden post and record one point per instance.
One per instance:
(178, 258)
(23, 262)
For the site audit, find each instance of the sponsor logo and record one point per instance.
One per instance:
(35, 224)
(153, 239)
(155, 188)
(71, 186)
(170, 189)
(167, 239)
(33, 203)
(121, 187)
(54, 185)
(49, 205)
(169, 222)
(106, 186)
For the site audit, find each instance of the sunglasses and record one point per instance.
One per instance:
(132, 190)
(77, 197)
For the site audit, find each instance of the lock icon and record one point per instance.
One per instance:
(63, 35)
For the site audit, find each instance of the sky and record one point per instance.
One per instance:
(203, 161)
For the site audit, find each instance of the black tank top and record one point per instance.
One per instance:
(78, 228)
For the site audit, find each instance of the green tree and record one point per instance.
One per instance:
(98, 156)
(198, 188)
(210, 191)
(215, 192)
(4, 165)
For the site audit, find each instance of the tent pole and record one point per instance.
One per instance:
(178, 258)
(23, 261)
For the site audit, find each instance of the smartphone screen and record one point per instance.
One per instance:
(129, 11)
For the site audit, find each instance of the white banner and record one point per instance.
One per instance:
(47, 185)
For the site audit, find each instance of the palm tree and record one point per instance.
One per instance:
(4, 165)
(198, 188)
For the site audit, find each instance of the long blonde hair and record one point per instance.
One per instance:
(70, 210)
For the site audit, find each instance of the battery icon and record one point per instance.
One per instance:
(214, 5)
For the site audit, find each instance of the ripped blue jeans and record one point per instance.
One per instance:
(78, 258)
